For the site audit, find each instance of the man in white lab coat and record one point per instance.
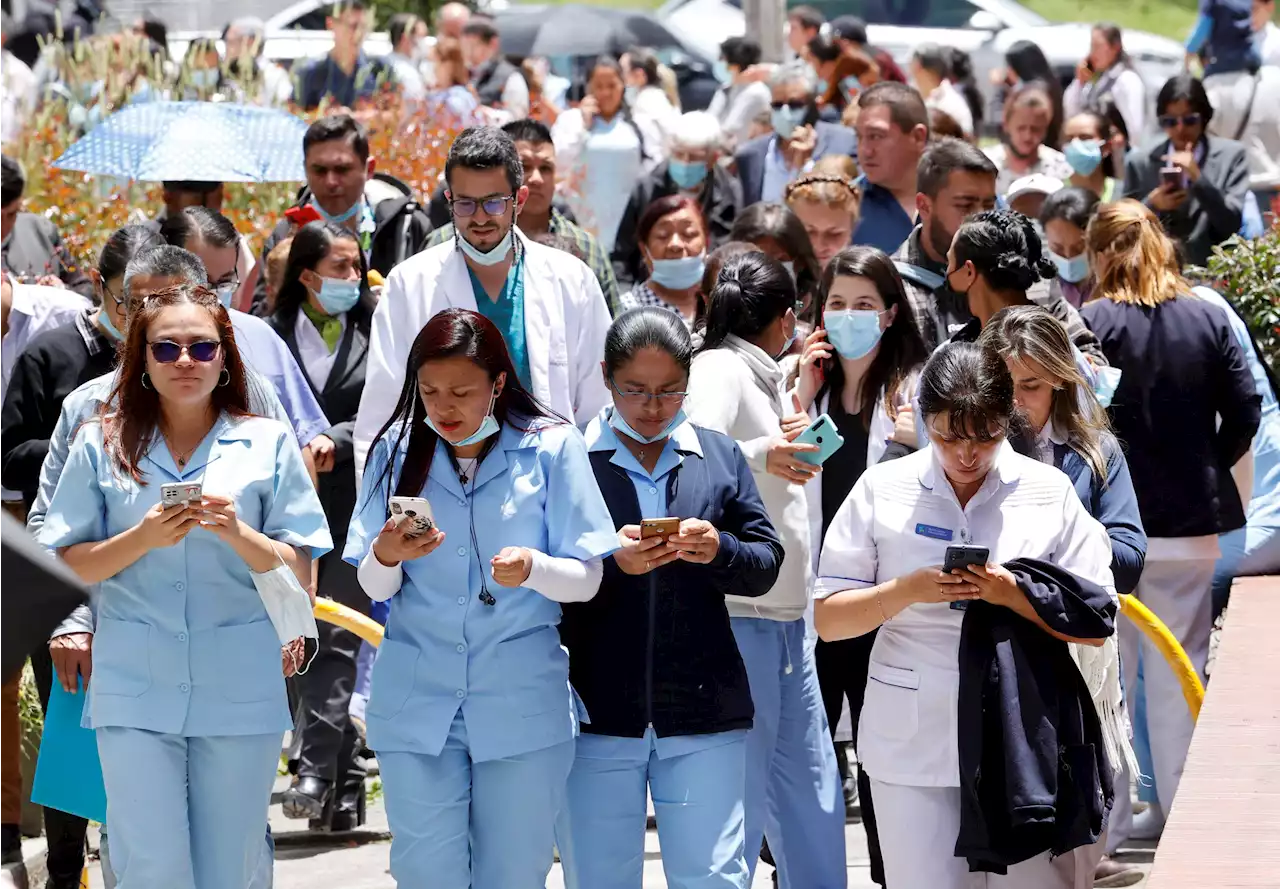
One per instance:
(546, 302)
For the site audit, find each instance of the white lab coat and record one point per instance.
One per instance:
(565, 322)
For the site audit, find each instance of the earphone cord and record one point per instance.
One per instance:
(485, 596)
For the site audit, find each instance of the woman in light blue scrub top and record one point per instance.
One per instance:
(470, 708)
(654, 655)
(188, 695)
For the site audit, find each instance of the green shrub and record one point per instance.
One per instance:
(1247, 273)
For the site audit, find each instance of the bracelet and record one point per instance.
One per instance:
(884, 618)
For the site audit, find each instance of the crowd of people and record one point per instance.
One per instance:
(832, 393)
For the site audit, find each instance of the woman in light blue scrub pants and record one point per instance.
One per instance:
(188, 694)
(736, 387)
(653, 655)
(470, 708)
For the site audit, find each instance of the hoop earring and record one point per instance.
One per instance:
(224, 379)
(146, 380)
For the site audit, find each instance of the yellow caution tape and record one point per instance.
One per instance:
(1158, 633)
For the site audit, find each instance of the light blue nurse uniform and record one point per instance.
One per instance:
(188, 694)
(470, 708)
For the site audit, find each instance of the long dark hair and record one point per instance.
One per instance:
(972, 387)
(901, 348)
(1028, 61)
(779, 223)
(453, 333)
(751, 292)
(131, 415)
(612, 64)
(310, 245)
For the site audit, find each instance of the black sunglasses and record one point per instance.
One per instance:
(492, 206)
(167, 352)
(1169, 121)
(794, 106)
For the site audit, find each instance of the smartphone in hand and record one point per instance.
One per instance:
(412, 515)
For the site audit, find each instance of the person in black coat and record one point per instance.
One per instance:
(1200, 200)
(33, 248)
(323, 313)
(653, 655)
(1186, 409)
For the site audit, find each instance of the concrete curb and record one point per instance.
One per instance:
(32, 871)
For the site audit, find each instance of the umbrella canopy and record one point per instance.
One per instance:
(202, 141)
(42, 592)
(579, 31)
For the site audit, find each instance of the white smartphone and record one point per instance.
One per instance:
(182, 493)
(416, 512)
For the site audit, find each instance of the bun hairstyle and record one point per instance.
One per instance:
(752, 291)
(1005, 249)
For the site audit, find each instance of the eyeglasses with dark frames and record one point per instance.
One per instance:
(167, 351)
(633, 397)
(492, 206)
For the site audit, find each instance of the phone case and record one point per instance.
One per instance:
(961, 556)
(417, 525)
(821, 432)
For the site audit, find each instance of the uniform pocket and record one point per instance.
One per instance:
(241, 661)
(539, 669)
(121, 658)
(392, 679)
(891, 706)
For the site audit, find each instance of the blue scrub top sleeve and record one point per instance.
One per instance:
(69, 419)
(78, 510)
(579, 525)
(294, 515)
(264, 402)
(371, 506)
(303, 412)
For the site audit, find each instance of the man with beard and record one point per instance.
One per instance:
(956, 180)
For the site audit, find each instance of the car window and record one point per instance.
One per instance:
(904, 13)
(309, 21)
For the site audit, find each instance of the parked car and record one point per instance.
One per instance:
(982, 28)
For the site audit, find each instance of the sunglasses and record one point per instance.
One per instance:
(794, 106)
(1169, 121)
(492, 206)
(167, 352)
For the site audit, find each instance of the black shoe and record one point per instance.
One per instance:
(306, 797)
(11, 843)
(345, 813)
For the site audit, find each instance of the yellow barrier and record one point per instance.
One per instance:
(1192, 689)
(1158, 633)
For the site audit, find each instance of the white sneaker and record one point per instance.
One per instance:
(1148, 824)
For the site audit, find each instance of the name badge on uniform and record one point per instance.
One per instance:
(934, 531)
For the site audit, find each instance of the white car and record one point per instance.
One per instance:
(982, 28)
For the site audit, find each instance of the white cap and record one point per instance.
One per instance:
(1036, 183)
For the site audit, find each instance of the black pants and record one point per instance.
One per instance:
(842, 672)
(328, 736)
(65, 833)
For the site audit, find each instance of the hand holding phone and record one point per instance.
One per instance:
(962, 557)
(821, 433)
(663, 528)
(184, 493)
(412, 515)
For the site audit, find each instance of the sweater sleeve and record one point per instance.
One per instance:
(563, 579)
(1117, 510)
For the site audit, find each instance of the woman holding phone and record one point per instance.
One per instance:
(737, 387)
(654, 656)
(880, 570)
(470, 708)
(188, 696)
(859, 368)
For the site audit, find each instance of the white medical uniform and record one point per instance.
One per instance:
(900, 517)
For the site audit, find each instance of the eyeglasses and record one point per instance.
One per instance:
(118, 300)
(1169, 121)
(229, 287)
(794, 106)
(167, 352)
(632, 397)
(497, 206)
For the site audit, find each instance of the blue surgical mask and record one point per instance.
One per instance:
(341, 217)
(337, 295)
(488, 426)
(203, 78)
(629, 95)
(621, 425)
(1083, 155)
(787, 118)
(686, 175)
(483, 257)
(853, 332)
(104, 319)
(226, 293)
(823, 86)
(851, 87)
(721, 71)
(1074, 270)
(679, 274)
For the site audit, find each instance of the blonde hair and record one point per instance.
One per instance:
(1133, 259)
(834, 189)
(1030, 334)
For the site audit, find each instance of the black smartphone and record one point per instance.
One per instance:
(963, 556)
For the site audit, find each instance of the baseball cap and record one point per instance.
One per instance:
(849, 27)
(1036, 183)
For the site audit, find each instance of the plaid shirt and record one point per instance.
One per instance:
(585, 247)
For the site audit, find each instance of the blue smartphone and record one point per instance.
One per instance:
(821, 432)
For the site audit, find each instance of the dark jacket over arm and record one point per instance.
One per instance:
(658, 649)
(1034, 773)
